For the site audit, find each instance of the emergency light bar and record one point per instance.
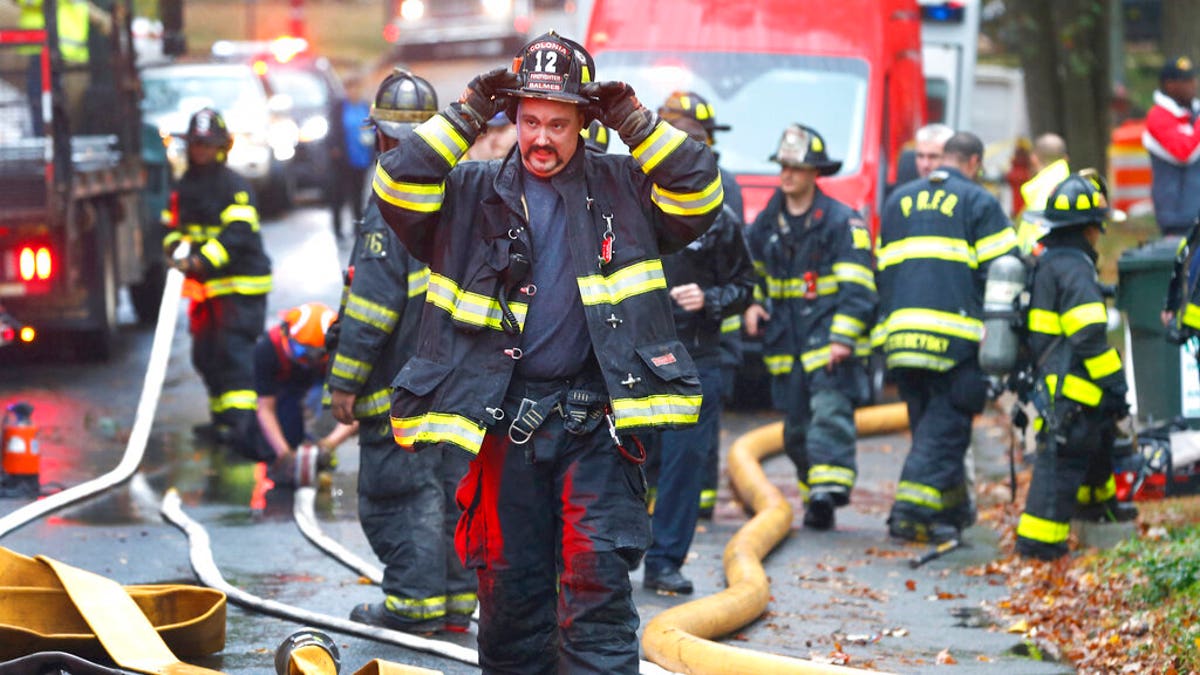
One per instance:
(943, 12)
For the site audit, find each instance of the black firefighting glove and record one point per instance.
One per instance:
(481, 100)
(617, 107)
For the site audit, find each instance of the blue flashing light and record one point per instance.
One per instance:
(943, 12)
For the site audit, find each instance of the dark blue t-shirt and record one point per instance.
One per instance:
(555, 341)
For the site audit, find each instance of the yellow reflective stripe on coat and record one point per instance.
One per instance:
(919, 360)
(1103, 365)
(1191, 316)
(461, 603)
(656, 409)
(467, 307)
(708, 498)
(926, 248)
(443, 138)
(1040, 529)
(371, 313)
(844, 324)
(921, 495)
(236, 399)
(414, 608)
(935, 321)
(1076, 388)
(200, 233)
(638, 278)
(854, 273)
(373, 405)
(418, 282)
(350, 369)
(419, 197)
(435, 427)
(214, 251)
(779, 364)
(829, 473)
(796, 287)
(1044, 321)
(995, 245)
(814, 359)
(240, 212)
(1097, 494)
(658, 145)
(241, 285)
(1081, 316)
(731, 324)
(689, 203)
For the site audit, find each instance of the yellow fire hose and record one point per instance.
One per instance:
(679, 638)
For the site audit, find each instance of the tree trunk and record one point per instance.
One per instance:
(1180, 21)
(1063, 47)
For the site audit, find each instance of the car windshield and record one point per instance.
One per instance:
(169, 91)
(757, 95)
(305, 88)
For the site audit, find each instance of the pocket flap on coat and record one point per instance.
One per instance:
(668, 360)
(420, 376)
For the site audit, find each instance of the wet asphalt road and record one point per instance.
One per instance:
(851, 587)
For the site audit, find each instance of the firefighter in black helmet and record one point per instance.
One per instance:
(1080, 385)
(547, 342)
(229, 275)
(405, 501)
(690, 105)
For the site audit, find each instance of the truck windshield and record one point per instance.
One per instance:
(305, 88)
(757, 95)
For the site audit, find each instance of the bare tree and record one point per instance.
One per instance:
(1063, 47)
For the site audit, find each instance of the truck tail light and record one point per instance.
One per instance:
(35, 263)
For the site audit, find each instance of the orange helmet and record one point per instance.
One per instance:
(308, 323)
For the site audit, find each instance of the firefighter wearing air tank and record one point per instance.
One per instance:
(938, 236)
(1079, 383)
(405, 501)
(230, 274)
(814, 305)
(546, 342)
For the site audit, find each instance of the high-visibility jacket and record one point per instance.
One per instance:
(379, 319)
(1067, 316)
(817, 283)
(466, 220)
(1172, 137)
(1034, 193)
(937, 238)
(218, 213)
(72, 27)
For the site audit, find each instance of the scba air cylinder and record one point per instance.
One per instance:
(21, 455)
(999, 347)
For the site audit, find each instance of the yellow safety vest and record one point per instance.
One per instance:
(1035, 192)
(72, 27)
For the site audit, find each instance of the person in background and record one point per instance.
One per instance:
(1079, 373)
(405, 501)
(228, 274)
(289, 371)
(497, 139)
(709, 280)
(688, 105)
(354, 153)
(1049, 164)
(1172, 138)
(937, 238)
(814, 307)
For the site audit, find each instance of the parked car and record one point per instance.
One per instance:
(264, 134)
(313, 90)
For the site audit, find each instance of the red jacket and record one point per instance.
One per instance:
(1171, 130)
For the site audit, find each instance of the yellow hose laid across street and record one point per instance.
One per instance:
(680, 638)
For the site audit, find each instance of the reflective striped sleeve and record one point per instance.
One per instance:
(856, 296)
(994, 235)
(1084, 322)
(685, 185)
